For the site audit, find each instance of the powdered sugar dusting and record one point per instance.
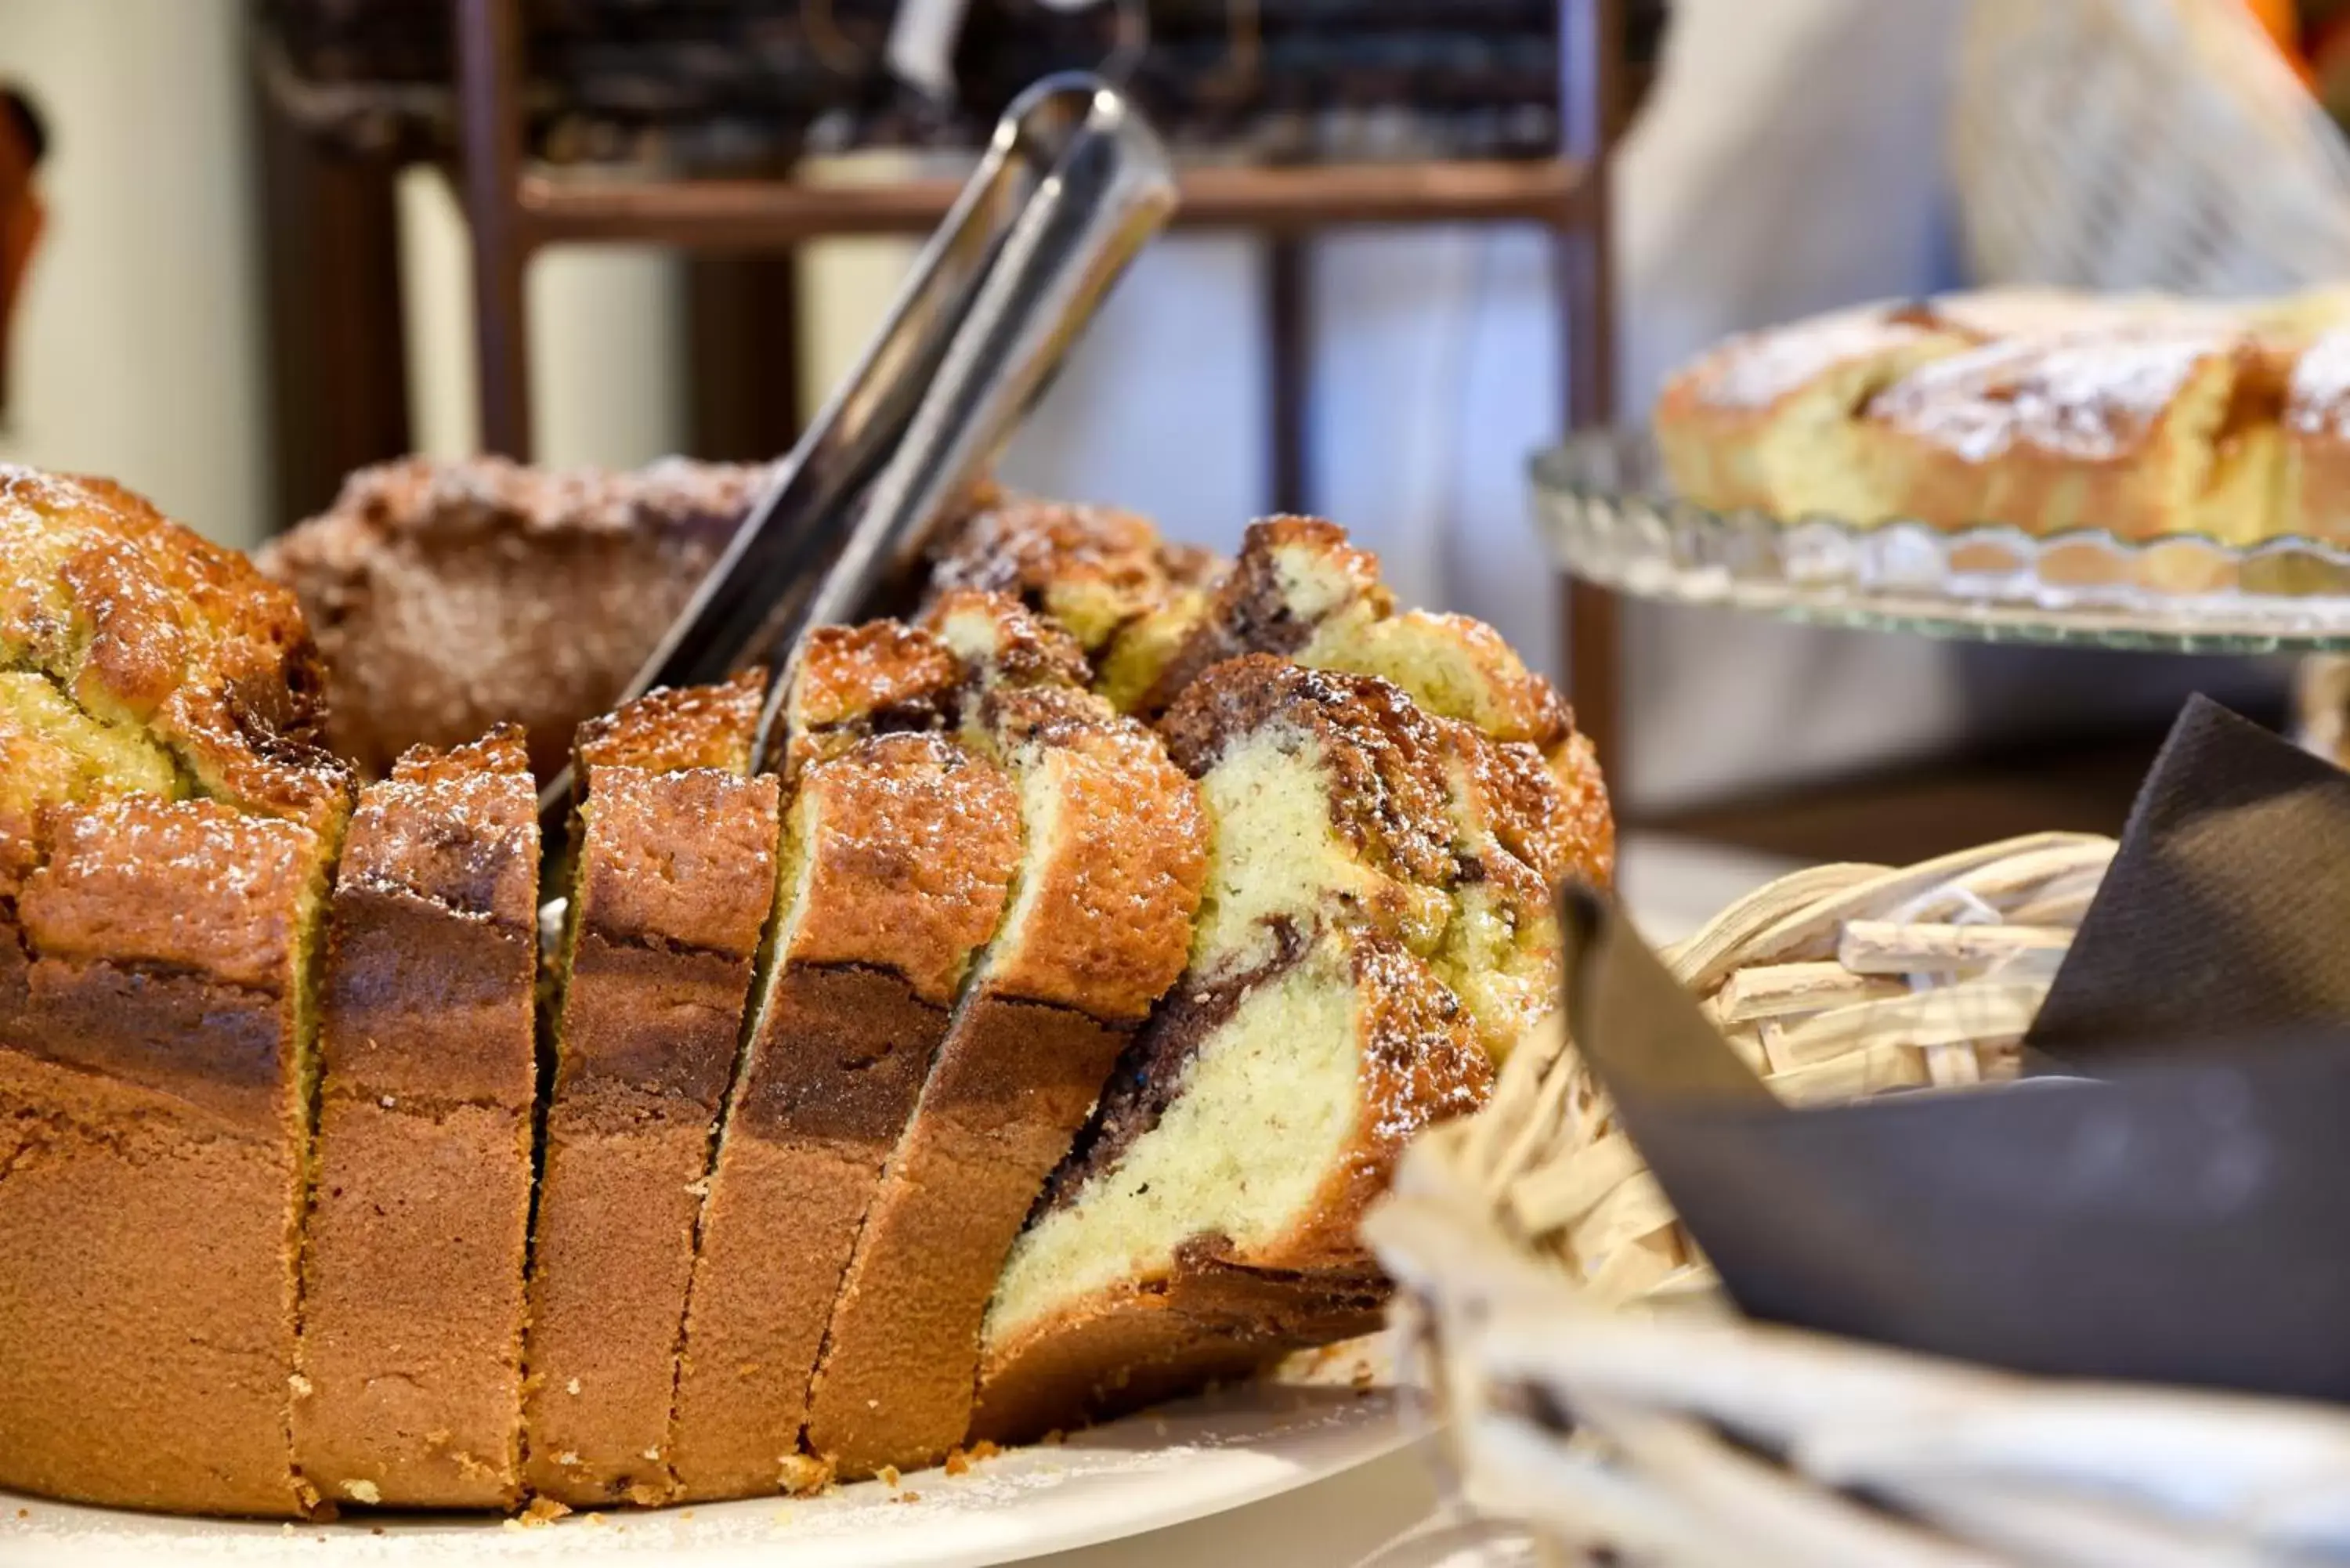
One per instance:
(2092, 396)
(2317, 399)
(1756, 369)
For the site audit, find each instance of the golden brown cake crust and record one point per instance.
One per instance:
(915, 843)
(150, 907)
(902, 851)
(1093, 568)
(670, 729)
(1114, 867)
(146, 625)
(675, 881)
(410, 1390)
(1122, 880)
(1249, 609)
(152, 1107)
(880, 675)
(1013, 1082)
(451, 596)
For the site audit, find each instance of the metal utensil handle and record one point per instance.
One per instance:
(741, 610)
(1111, 189)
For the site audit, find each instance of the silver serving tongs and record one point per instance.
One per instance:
(1073, 184)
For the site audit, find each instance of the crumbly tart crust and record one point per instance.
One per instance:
(155, 1029)
(409, 1392)
(451, 596)
(1097, 930)
(900, 845)
(674, 878)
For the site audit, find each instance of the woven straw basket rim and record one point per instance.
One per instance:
(1588, 1368)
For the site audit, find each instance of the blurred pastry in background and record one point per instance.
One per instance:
(1765, 419)
(2143, 415)
(450, 596)
(2151, 428)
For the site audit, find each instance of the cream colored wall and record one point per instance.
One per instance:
(607, 376)
(139, 351)
(608, 328)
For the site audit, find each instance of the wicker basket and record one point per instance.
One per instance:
(1599, 1389)
(2129, 144)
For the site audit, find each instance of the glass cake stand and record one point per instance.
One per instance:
(1609, 515)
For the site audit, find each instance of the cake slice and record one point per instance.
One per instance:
(1098, 928)
(411, 1380)
(899, 848)
(1300, 590)
(156, 1011)
(2313, 486)
(2145, 428)
(1205, 1221)
(1766, 420)
(673, 879)
(1100, 572)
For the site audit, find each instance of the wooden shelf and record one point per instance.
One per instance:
(735, 214)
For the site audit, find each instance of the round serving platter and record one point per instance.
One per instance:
(1322, 1414)
(1603, 503)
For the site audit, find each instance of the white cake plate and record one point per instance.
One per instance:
(1325, 1413)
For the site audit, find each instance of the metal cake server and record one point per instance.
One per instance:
(1073, 182)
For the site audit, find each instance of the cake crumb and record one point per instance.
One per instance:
(698, 1187)
(572, 1387)
(782, 1516)
(653, 1453)
(888, 1475)
(544, 1509)
(800, 1475)
(595, 1518)
(365, 1491)
(389, 1101)
(1364, 1376)
(299, 1384)
(24, 1513)
(907, 1496)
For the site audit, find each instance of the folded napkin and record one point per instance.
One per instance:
(2167, 1198)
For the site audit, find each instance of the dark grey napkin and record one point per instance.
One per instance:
(2181, 1215)
(2226, 914)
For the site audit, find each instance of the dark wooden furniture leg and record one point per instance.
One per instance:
(337, 348)
(490, 128)
(1289, 334)
(742, 355)
(1590, 50)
